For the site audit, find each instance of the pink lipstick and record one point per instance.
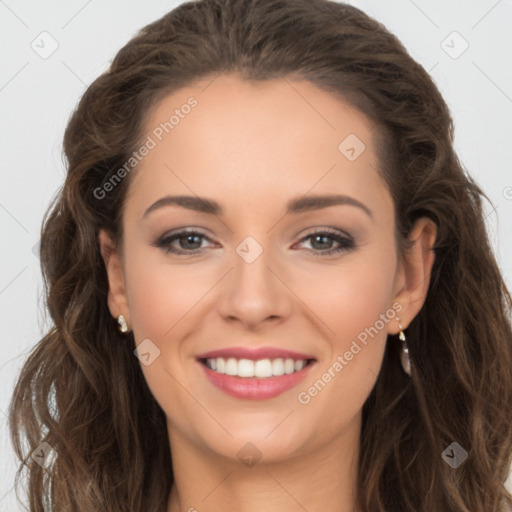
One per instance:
(255, 374)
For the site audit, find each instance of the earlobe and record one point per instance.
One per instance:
(416, 270)
(117, 299)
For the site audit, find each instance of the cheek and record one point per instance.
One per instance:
(355, 302)
(350, 297)
(366, 295)
(162, 295)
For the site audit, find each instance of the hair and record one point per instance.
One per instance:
(81, 389)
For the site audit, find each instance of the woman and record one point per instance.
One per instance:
(337, 337)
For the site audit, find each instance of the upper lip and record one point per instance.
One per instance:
(254, 354)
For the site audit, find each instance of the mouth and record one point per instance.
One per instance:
(255, 374)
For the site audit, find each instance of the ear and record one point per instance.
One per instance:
(413, 276)
(117, 298)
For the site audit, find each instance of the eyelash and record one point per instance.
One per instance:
(347, 242)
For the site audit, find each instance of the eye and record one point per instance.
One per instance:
(320, 239)
(189, 242)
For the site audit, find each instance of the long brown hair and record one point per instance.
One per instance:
(82, 391)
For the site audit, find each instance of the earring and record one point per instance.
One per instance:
(404, 354)
(123, 326)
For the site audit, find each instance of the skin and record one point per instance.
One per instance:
(252, 148)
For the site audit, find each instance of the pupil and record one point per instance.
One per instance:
(321, 237)
(191, 237)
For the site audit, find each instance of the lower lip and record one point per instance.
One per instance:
(255, 389)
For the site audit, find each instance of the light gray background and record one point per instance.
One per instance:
(38, 94)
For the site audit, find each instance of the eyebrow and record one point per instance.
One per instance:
(294, 206)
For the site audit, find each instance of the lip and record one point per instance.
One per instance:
(254, 353)
(254, 388)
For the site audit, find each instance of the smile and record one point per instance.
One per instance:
(255, 374)
(261, 369)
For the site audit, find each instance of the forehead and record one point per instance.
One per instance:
(257, 139)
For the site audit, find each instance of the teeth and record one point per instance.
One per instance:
(277, 367)
(231, 367)
(245, 368)
(289, 366)
(263, 368)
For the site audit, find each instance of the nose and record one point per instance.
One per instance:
(255, 292)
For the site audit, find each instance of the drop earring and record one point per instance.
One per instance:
(404, 353)
(123, 326)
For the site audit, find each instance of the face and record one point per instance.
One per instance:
(274, 270)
